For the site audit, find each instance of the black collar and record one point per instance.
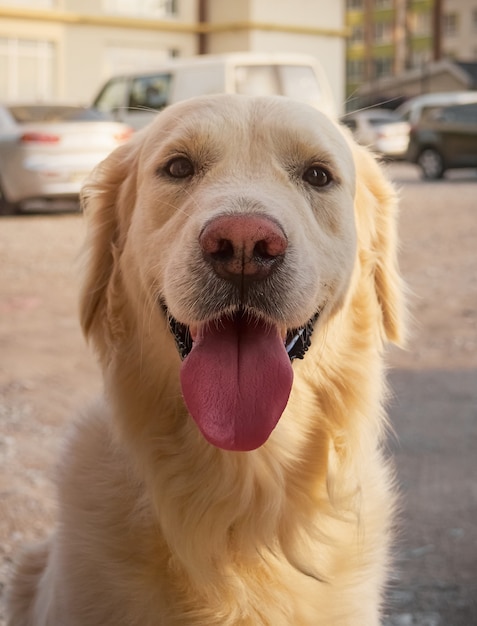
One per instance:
(297, 341)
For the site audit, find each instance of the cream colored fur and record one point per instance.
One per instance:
(156, 527)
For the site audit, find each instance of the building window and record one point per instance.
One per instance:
(474, 19)
(27, 69)
(355, 70)
(383, 67)
(422, 24)
(357, 35)
(383, 4)
(154, 9)
(354, 4)
(420, 58)
(449, 24)
(383, 32)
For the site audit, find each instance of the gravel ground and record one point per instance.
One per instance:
(46, 372)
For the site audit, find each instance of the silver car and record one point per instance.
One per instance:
(383, 131)
(46, 151)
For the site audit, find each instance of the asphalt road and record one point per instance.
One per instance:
(46, 372)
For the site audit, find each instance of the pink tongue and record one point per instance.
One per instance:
(236, 382)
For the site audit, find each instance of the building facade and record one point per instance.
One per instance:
(63, 50)
(459, 29)
(390, 37)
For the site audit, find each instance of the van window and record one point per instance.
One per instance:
(113, 96)
(150, 92)
(428, 113)
(257, 80)
(299, 82)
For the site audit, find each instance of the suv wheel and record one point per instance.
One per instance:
(431, 164)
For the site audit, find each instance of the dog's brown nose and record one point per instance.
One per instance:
(243, 246)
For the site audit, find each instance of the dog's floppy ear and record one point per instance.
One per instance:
(107, 200)
(376, 208)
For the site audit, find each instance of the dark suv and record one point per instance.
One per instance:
(445, 138)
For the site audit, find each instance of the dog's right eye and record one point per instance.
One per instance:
(179, 167)
(317, 176)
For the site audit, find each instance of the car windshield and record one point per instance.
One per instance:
(377, 121)
(24, 114)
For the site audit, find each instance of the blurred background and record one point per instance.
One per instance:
(365, 61)
(65, 49)
(371, 50)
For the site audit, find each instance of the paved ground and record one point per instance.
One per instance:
(434, 411)
(46, 371)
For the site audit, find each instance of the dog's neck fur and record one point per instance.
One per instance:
(211, 506)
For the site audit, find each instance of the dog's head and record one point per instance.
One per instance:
(232, 227)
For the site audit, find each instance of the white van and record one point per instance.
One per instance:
(136, 98)
(415, 108)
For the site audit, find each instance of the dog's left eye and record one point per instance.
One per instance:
(317, 176)
(179, 167)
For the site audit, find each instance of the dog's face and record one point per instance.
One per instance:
(244, 205)
(234, 219)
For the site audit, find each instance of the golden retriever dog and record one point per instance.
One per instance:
(240, 285)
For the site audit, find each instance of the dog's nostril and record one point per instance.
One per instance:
(262, 250)
(224, 250)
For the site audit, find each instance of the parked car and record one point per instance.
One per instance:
(46, 151)
(413, 109)
(445, 138)
(136, 98)
(380, 129)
